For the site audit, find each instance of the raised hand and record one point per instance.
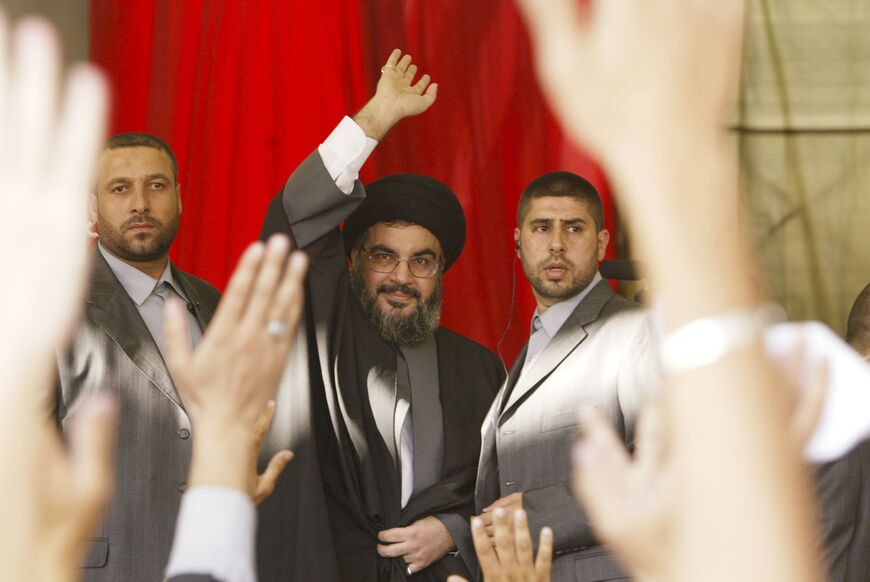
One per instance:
(51, 496)
(226, 383)
(397, 96)
(48, 148)
(510, 558)
(631, 503)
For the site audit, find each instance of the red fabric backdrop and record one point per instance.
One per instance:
(243, 90)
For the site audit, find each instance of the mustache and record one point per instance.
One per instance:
(553, 260)
(140, 221)
(395, 287)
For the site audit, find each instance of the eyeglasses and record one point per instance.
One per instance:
(383, 262)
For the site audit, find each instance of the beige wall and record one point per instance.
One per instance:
(70, 16)
(805, 144)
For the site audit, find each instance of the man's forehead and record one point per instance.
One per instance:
(133, 162)
(560, 208)
(406, 237)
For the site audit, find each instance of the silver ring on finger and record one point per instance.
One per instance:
(277, 329)
(409, 571)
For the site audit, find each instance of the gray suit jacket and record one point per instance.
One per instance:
(844, 507)
(602, 356)
(112, 350)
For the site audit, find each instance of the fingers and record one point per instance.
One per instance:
(393, 59)
(650, 439)
(485, 553)
(391, 536)
(403, 64)
(410, 73)
(601, 465)
(290, 297)
(92, 438)
(177, 339)
(422, 84)
(504, 539)
(266, 481)
(523, 539)
(432, 91)
(544, 561)
(36, 61)
(80, 132)
(266, 284)
(232, 303)
(396, 550)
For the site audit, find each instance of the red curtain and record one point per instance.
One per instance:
(243, 90)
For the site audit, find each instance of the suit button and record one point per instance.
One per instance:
(183, 433)
(182, 487)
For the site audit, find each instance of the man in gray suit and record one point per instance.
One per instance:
(118, 347)
(588, 348)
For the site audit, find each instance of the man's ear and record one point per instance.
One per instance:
(178, 196)
(517, 243)
(92, 207)
(603, 239)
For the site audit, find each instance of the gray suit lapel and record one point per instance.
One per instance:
(487, 489)
(570, 335)
(202, 310)
(116, 314)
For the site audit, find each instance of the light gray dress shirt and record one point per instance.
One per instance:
(150, 297)
(546, 325)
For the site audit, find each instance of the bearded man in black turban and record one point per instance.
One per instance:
(382, 405)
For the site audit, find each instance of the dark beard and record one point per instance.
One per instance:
(114, 241)
(393, 327)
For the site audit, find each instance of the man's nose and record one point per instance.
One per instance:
(402, 273)
(141, 200)
(557, 242)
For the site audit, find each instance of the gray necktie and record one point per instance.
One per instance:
(426, 413)
(164, 291)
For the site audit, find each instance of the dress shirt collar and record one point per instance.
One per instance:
(557, 314)
(137, 284)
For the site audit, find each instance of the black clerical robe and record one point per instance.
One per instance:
(355, 486)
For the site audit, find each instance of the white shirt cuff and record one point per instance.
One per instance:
(215, 535)
(344, 152)
(844, 420)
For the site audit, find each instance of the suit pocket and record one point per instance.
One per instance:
(560, 420)
(98, 553)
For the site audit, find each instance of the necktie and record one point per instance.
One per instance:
(163, 292)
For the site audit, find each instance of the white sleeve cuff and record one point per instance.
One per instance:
(844, 420)
(344, 152)
(215, 535)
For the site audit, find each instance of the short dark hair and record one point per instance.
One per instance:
(858, 326)
(142, 140)
(562, 184)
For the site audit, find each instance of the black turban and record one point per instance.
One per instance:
(413, 198)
